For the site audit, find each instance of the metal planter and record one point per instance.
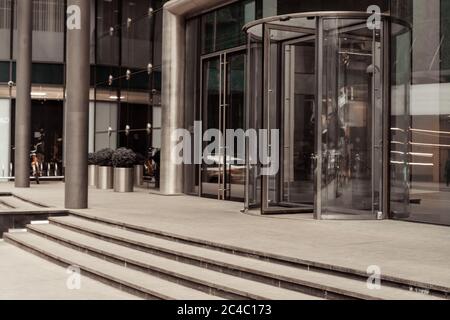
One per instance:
(123, 179)
(92, 175)
(105, 178)
(138, 175)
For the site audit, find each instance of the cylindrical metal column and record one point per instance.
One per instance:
(172, 98)
(77, 104)
(23, 95)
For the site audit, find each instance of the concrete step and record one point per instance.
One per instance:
(196, 277)
(320, 284)
(132, 281)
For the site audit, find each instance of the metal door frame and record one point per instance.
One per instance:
(267, 28)
(319, 205)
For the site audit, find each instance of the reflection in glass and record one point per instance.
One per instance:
(351, 119)
(420, 130)
(222, 28)
(223, 80)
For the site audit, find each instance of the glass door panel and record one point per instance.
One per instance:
(235, 120)
(211, 105)
(253, 120)
(289, 107)
(351, 122)
(298, 123)
(400, 119)
(223, 94)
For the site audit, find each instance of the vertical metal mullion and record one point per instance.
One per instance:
(219, 166)
(374, 114)
(247, 124)
(319, 106)
(283, 125)
(224, 125)
(386, 110)
(202, 164)
(265, 115)
(11, 37)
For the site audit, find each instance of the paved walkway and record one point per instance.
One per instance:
(411, 251)
(25, 276)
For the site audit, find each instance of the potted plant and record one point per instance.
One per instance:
(92, 170)
(105, 169)
(139, 170)
(123, 161)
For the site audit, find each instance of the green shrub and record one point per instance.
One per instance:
(123, 158)
(104, 157)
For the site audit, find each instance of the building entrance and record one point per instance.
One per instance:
(320, 78)
(223, 100)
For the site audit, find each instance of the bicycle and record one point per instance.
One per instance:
(36, 163)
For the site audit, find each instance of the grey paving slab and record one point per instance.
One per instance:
(27, 277)
(418, 252)
(138, 280)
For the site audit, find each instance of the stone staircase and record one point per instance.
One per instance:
(155, 265)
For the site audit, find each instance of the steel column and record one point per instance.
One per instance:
(77, 106)
(23, 99)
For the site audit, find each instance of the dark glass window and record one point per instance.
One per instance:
(44, 73)
(108, 32)
(136, 116)
(4, 71)
(292, 6)
(222, 29)
(136, 34)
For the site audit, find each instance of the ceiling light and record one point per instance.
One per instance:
(39, 94)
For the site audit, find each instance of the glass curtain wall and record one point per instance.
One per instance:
(47, 79)
(127, 75)
(126, 44)
(420, 128)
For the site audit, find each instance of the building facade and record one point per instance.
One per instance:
(125, 38)
(360, 100)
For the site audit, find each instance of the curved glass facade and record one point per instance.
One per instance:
(420, 138)
(392, 157)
